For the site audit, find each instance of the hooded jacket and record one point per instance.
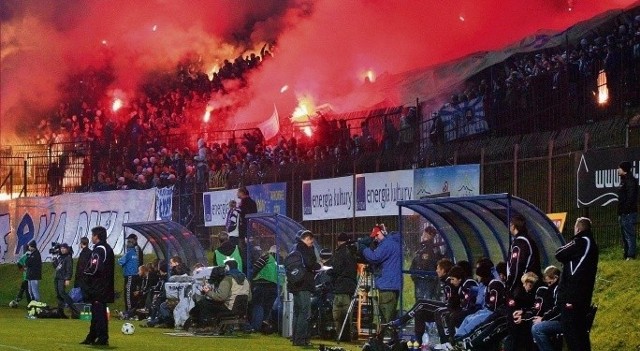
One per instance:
(579, 258)
(388, 259)
(34, 266)
(343, 274)
(311, 264)
(234, 284)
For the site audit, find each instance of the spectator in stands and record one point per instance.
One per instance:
(628, 208)
(580, 260)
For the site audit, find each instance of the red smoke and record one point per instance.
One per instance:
(323, 47)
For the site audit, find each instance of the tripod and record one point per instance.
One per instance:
(360, 285)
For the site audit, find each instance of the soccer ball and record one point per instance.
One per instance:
(128, 329)
(13, 304)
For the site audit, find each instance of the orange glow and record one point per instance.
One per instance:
(207, 114)
(213, 70)
(368, 75)
(284, 88)
(117, 104)
(603, 91)
(306, 107)
(307, 131)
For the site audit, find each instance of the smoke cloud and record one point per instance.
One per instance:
(324, 48)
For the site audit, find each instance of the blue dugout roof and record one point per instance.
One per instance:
(478, 226)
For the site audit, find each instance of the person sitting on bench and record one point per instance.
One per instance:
(220, 299)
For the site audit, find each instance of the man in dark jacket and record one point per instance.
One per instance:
(34, 270)
(523, 256)
(387, 261)
(425, 261)
(98, 286)
(63, 264)
(344, 276)
(83, 261)
(628, 208)
(247, 206)
(303, 289)
(580, 260)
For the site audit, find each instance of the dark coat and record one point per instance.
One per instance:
(99, 274)
(344, 272)
(64, 267)
(81, 265)
(311, 264)
(34, 266)
(524, 256)
(628, 194)
(579, 258)
(247, 206)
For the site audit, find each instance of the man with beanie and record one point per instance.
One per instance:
(344, 277)
(63, 264)
(580, 260)
(302, 290)
(628, 208)
(34, 270)
(98, 287)
(386, 260)
(130, 262)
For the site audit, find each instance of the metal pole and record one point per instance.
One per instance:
(24, 177)
(550, 177)
(516, 149)
(482, 159)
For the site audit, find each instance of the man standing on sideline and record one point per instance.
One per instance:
(34, 270)
(386, 260)
(134, 238)
(98, 287)
(344, 276)
(303, 289)
(523, 256)
(264, 289)
(129, 263)
(628, 208)
(83, 261)
(580, 260)
(63, 263)
(247, 206)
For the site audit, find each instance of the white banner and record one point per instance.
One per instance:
(217, 204)
(377, 193)
(69, 217)
(164, 203)
(327, 198)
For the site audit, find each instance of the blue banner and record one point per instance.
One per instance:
(164, 203)
(464, 119)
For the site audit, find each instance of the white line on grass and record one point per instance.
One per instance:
(13, 348)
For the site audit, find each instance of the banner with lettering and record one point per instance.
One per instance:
(450, 181)
(377, 193)
(67, 218)
(327, 198)
(164, 203)
(597, 179)
(270, 198)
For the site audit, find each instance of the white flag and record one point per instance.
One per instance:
(271, 126)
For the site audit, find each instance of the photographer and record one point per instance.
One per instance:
(386, 261)
(221, 299)
(63, 264)
(344, 276)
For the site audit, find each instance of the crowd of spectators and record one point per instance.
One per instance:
(563, 78)
(132, 148)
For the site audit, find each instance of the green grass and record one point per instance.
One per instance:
(616, 327)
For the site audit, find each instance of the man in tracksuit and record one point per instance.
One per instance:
(580, 260)
(387, 261)
(129, 263)
(63, 264)
(98, 287)
(628, 209)
(523, 256)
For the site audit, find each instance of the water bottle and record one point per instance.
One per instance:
(425, 338)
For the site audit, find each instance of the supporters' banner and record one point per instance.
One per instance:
(377, 193)
(462, 180)
(597, 177)
(327, 198)
(270, 127)
(464, 119)
(69, 217)
(271, 198)
(164, 203)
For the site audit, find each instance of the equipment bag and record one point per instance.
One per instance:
(294, 267)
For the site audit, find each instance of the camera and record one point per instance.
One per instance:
(217, 274)
(55, 248)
